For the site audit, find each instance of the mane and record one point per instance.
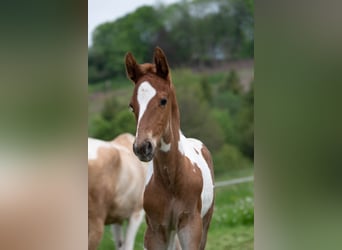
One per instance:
(148, 68)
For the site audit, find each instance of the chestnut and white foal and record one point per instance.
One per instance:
(116, 181)
(179, 192)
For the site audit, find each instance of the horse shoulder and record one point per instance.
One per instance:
(197, 152)
(200, 155)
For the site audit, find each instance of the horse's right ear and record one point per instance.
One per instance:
(132, 68)
(162, 67)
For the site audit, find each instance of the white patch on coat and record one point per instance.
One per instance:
(149, 172)
(164, 147)
(188, 147)
(145, 93)
(93, 147)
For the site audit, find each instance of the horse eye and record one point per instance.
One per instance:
(131, 108)
(163, 102)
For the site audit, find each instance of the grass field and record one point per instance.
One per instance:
(232, 225)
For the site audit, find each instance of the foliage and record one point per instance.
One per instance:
(232, 83)
(197, 119)
(245, 125)
(229, 158)
(101, 129)
(113, 121)
(206, 89)
(110, 108)
(112, 40)
(227, 100)
(190, 33)
(227, 125)
(124, 122)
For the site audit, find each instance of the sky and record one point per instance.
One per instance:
(100, 11)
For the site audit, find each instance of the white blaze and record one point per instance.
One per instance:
(145, 93)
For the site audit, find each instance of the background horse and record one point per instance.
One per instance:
(179, 193)
(115, 188)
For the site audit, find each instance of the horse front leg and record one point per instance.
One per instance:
(190, 233)
(132, 228)
(155, 239)
(156, 235)
(118, 236)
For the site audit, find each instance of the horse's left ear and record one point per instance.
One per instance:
(160, 61)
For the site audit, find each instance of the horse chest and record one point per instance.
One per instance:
(166, 203)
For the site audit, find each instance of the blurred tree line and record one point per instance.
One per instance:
(198, 33)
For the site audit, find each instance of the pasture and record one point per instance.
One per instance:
(232, 226)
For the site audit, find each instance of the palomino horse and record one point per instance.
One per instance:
(179, 192)
(116, 181)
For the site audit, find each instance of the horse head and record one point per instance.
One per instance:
(151, 103)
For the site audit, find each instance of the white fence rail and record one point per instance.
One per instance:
(234, 181)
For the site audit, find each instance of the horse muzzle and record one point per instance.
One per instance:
(144, 151)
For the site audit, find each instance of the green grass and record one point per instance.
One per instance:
(232, 238)
(232, 225)
(228, 175)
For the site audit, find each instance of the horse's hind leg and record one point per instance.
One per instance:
(118, 236)
(132, 228)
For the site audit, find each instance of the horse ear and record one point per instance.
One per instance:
(132, 68)
(160, 61)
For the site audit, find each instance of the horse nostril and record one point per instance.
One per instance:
(143, 151)
(148, 147)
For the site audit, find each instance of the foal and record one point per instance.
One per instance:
(179, 192)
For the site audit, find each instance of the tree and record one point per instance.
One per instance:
(134, 32)
(206, 89)
(192, 33)
(197, 120)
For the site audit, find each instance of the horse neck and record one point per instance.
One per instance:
(172, 130)
(167, 163)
